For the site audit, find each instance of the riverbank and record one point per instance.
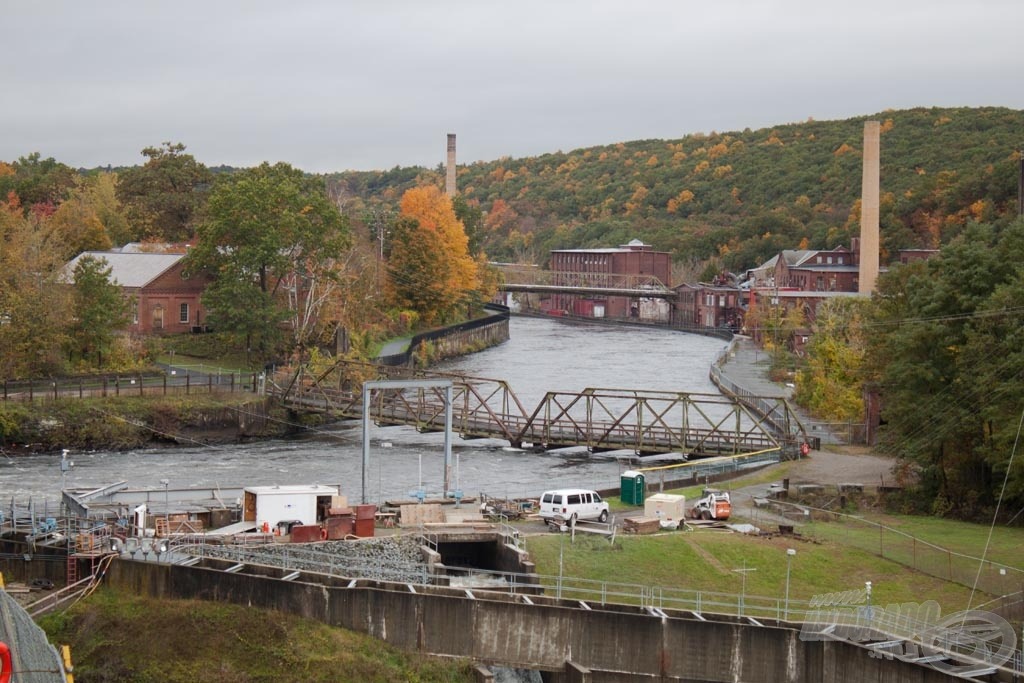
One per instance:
(123, 422)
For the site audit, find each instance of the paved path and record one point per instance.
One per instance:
(395, 347)
(747, 366)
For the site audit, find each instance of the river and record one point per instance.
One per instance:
(542, 355)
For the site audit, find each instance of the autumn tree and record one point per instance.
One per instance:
(100, 309)
(501, 218)
(33, 302)
(830, 383)
(91, 218)
(164, 195)
(430, 269)
(271, 240)
(37, 181)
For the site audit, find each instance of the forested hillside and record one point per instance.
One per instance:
(737, 198)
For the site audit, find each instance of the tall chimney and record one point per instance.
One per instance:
(869, 209)
(449, 183)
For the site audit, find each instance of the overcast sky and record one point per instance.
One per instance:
(334, 85)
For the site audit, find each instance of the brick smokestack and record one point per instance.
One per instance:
(869, 209)
(449, 183)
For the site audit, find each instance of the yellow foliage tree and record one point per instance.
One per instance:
(637, 199)
(430, 268)
(718, 150)
(684, 197)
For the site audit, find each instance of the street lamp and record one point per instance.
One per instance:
(789, 560)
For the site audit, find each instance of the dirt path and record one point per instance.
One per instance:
(844, 465)
(708, 557)
(848, 465)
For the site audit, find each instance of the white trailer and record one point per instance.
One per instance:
(268, 506)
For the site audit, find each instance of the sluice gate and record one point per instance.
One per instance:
(646, 422)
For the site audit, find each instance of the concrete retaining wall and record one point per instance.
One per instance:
(612, 643)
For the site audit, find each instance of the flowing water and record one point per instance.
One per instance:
(541, 356)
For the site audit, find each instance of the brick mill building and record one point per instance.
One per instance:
(164, 300)
(609, 267)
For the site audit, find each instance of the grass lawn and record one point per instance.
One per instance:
(707, 560)
(225, 364)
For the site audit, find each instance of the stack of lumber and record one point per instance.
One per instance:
(416, 514)
(641, 525)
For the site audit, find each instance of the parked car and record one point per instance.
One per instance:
(563, 505)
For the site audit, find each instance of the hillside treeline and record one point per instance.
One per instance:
(735, 199)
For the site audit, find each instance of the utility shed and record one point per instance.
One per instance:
(665, 506)
(274, 504)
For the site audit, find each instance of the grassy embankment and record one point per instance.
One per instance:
(830, 556)
(117, 637)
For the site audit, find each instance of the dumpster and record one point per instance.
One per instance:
(632, 492)
(365, 517)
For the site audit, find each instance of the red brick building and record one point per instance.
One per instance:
(716, 305)
(602, 267)
(164, 301)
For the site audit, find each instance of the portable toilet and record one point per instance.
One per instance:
(632, 487)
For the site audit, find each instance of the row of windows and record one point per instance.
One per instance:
(158, 314)
(709, 300)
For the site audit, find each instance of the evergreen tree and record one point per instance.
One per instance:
(100, 310)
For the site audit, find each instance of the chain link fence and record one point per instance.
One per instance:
(987, 576)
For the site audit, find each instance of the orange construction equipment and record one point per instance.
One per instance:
(713, 504)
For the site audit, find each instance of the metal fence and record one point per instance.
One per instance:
(990, 577)
(175, 382)
(818, 431)
(34, 659)
(706, 469)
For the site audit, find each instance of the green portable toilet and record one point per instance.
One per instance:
(632, 492)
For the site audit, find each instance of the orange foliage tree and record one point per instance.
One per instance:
(430, 270)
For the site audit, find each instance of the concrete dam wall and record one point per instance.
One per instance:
(571, 640)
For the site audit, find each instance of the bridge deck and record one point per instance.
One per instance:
(647, 422)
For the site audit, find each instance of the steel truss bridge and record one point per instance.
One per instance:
(533, 280)
(645, 422)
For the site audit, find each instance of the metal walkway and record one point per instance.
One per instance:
(646, 422)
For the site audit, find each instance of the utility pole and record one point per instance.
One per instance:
(743, 590)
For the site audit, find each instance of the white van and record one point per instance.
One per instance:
(564, 504)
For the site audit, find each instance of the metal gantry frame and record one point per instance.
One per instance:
(401, 384)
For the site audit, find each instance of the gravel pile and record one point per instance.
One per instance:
(395, 558)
